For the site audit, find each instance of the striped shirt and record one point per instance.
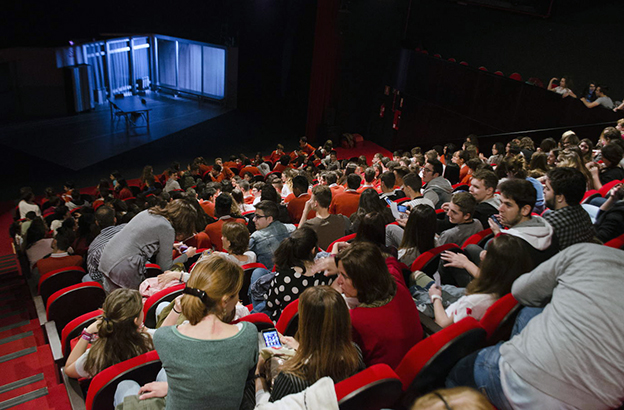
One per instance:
(96, 247)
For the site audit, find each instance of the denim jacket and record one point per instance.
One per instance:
(265, 241)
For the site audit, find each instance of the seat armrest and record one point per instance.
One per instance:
(429, 325)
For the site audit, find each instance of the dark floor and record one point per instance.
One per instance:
(84, 139)
(246, 131)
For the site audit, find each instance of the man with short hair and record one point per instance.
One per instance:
(105, 220)
(172, 183)
(563, 193)
(412, 186)
(60, 258)
(269, 232)
(369, 179)
(301, 196)
(567, 355)
(223, 210)
(482, 187)
(328, 227)
(330, 179)
(437, 189)
(387, 187)
(460, 212)
(347, 202)
(332, 160)
(602, 100)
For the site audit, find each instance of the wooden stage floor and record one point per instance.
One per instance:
(81, 140)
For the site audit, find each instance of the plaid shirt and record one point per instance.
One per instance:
(572, 225)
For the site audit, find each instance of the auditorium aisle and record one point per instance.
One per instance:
(28, 378)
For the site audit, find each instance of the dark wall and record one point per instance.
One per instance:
(580, 39)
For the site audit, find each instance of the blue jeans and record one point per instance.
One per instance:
(480, 370)
(259, 305)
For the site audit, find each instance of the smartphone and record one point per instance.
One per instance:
(271, 338)
(497, 222)
(388, 200)
(402, 209)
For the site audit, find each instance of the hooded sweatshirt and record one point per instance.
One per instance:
(438, 191)
(537, 233)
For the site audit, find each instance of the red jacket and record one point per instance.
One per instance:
(345, 203)
(386, 333)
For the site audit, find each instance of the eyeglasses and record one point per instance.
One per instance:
(427, 170)
(259, 216)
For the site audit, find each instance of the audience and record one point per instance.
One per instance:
(328, 227)
(116, 336)
(226, 211)
(419, 235)
(106, 222)
(551, 361)
(323, 345)
(59, 258)
(482, 187)
(346, 203)
(269, 232)
(460, 213)
(436, 189)
(151, 232)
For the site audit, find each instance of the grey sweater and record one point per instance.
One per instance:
(206, 374)
(573, 350)
(125, 255)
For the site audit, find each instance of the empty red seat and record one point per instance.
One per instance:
(248, 270)
(288, 322)
(463, 63)
(499, 73)
(516, 76)
(377, 387)
(165, 295)
(58, 279)
(426, 366)
(483, 68)
(152, 270)
(452, 60)
(142, 369)
(69, 303)
(437, 55)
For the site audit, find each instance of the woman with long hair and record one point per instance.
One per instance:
(147, 174)
(116, 336)
(372, 228)
(504, 261)
(151, 232)
(570, 158)
(587, 150)
(419, 235)
(538, 166)
(323, 345)
(294, 263)
(370, 202)
(207, 361)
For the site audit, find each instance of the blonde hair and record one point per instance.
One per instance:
(119, 338)
(180, 213)
(219, 278)
(463, 398)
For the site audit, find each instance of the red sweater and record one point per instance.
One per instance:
(386, 333)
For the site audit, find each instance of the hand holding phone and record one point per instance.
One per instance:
(271, 338)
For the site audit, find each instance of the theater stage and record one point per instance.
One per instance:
(81, 140)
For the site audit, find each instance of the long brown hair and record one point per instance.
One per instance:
(218, 277)
(180, 213)
(118, 336)
(505, 260)
(324, 335)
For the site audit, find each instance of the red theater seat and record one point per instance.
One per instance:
(261, 320)
(152, 270)
(58, 279)
(143, 369)
(69, 303)
(343, 239)
(500, 318)
(480, 238)
(288, 322)
(165, 295)
(428, 261)
(516, 76)
(617, 243)
(425, 367)
(377, 387)
(74, 328)
(248, 270)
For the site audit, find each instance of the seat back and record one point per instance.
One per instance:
(617, 243)
(479, 238)
(142, 369)
(589, 195)
(74, 328)
(58, 279)
(152, 270)
(288, 323)
(247, 271)
(428, 261)
(377, 387)
(516, 76)
(343, 239)
(165, 295)
(500, 318)
(607, 187)
(261, 320)
(426, 366)
(69, 303)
